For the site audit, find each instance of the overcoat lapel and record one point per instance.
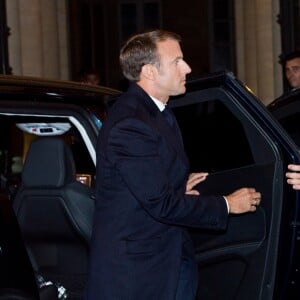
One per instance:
(150, 113)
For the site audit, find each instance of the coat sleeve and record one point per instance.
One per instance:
(135, 150)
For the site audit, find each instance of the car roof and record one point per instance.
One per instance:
(25, 88)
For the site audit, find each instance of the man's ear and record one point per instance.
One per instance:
(149, 71)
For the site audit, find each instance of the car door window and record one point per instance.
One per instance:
(214, 138)
(217, 136)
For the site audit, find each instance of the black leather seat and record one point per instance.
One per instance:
(55, 214)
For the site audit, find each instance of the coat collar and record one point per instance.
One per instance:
(140, 99)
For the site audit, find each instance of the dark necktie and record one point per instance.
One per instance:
(168, 115)
(170, 118)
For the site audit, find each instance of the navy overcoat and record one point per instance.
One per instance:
(142, 211)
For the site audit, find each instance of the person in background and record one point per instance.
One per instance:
(145, 196)
(89, 76)
(291, 65)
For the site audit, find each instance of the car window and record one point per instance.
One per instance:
(218, 133)
(18, 131)
(214, 138)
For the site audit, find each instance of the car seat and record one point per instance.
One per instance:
(55, 214)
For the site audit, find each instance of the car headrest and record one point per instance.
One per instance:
(49, 163)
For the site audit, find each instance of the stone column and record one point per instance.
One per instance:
(258, 44)
(277, 50)
(50, 45)
(38, 40)
(14, 41)
(63, 40)
(31, 37)
(250, 44)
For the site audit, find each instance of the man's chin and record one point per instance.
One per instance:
(179, 91)
(182, 90)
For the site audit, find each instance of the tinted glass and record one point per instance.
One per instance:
(214, 138)
(292, 125)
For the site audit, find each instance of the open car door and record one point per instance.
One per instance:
(229, 133)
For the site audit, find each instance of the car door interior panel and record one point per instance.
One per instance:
(245, 241)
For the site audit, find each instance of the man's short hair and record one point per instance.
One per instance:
(289, 56)
(140, 50)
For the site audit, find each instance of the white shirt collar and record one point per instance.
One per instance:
(161, 106)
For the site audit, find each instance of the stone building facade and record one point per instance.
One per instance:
(43, 38)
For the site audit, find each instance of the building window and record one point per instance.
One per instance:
(137, 16)
(222, 35)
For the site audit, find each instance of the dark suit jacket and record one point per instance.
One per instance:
(142, 211)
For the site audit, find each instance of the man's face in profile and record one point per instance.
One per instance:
(292, 72)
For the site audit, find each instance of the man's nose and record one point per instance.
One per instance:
(187, 68)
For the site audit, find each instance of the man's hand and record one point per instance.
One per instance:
(293, 178)
(194, 179)
(243, 200)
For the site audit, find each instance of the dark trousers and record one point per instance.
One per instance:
(188, 280)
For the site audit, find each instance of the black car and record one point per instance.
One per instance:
(47, 164)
